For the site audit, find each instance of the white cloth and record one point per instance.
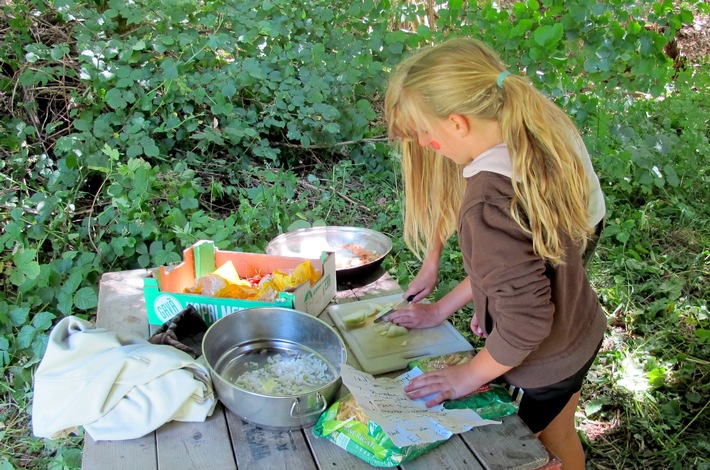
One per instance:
(497, 160)
(117, 386)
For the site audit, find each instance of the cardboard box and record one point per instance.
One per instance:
(165, 297)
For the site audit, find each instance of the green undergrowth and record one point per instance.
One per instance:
(128, 131)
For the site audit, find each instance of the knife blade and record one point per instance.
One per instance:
(385, 315)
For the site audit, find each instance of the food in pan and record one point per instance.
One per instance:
(286, 375)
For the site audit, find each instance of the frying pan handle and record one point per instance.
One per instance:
(319, 407)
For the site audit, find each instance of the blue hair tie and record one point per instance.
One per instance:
(501, 77)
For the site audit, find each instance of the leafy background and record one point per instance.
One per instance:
(130, 130)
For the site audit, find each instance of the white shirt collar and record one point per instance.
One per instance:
(495, 160)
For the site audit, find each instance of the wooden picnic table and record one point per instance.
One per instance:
(225, 441)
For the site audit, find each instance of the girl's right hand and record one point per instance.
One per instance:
(418, 316)
(424, 282)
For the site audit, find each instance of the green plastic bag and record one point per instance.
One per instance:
(491, 401)
(345, 424)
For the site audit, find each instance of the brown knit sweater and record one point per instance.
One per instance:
(544, 321)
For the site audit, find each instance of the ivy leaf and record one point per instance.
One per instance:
(671, 176)
(314, 96)
(144, 261)
(547, 36)
(170, 71)
(686, 16)
(318, 51)
(229, 90)
(149, 147)
(31, 57)
(25, 336)
(39, 345)
(26, 267)
(43, 320)
(298, 225)
(623, 237)
(73, 282)
(19, 315)
(396, 48)
(114, 98)
(84, 122)
(118, 244)
(593, 406)
(23, 257)
(332, 127)
(64, 303)
(134, 150)
(164, 257)
(86, 298)
(365, 108)
(424, 31)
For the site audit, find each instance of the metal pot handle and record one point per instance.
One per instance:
(320, 409)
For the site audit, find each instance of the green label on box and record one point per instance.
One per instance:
(166, 307)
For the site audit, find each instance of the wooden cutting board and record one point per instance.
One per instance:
(378, 354)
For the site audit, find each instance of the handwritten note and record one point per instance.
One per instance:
(404, 420)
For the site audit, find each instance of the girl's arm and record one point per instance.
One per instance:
(424, 282)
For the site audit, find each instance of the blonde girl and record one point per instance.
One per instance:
(487, 155)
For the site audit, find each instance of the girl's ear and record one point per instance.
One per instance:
(460, 123)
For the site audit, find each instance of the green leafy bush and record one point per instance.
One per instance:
(130, 130)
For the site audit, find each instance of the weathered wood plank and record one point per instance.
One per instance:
(121, 304)
(330, 456)
(257, 448)
(380, 286)
(136, 454)
(506, 446)
(453, 454)
(202, 446)
(121, 308)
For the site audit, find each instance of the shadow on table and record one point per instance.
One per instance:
(348, 282)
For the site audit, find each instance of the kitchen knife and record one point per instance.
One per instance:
(385, 315)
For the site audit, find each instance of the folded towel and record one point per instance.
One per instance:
(118, 386)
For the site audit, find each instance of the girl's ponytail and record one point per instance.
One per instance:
(548, 175)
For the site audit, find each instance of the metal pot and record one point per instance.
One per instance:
(235, 342)
(310, 242)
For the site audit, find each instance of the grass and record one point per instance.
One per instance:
(19, 449)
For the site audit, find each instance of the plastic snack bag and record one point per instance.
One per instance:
(491, 401)
(346, 425)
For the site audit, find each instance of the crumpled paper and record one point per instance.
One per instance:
(406, 421)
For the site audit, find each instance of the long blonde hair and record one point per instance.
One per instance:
(461, 76)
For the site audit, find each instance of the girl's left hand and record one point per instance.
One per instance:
(445, 384)
(476, 328)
